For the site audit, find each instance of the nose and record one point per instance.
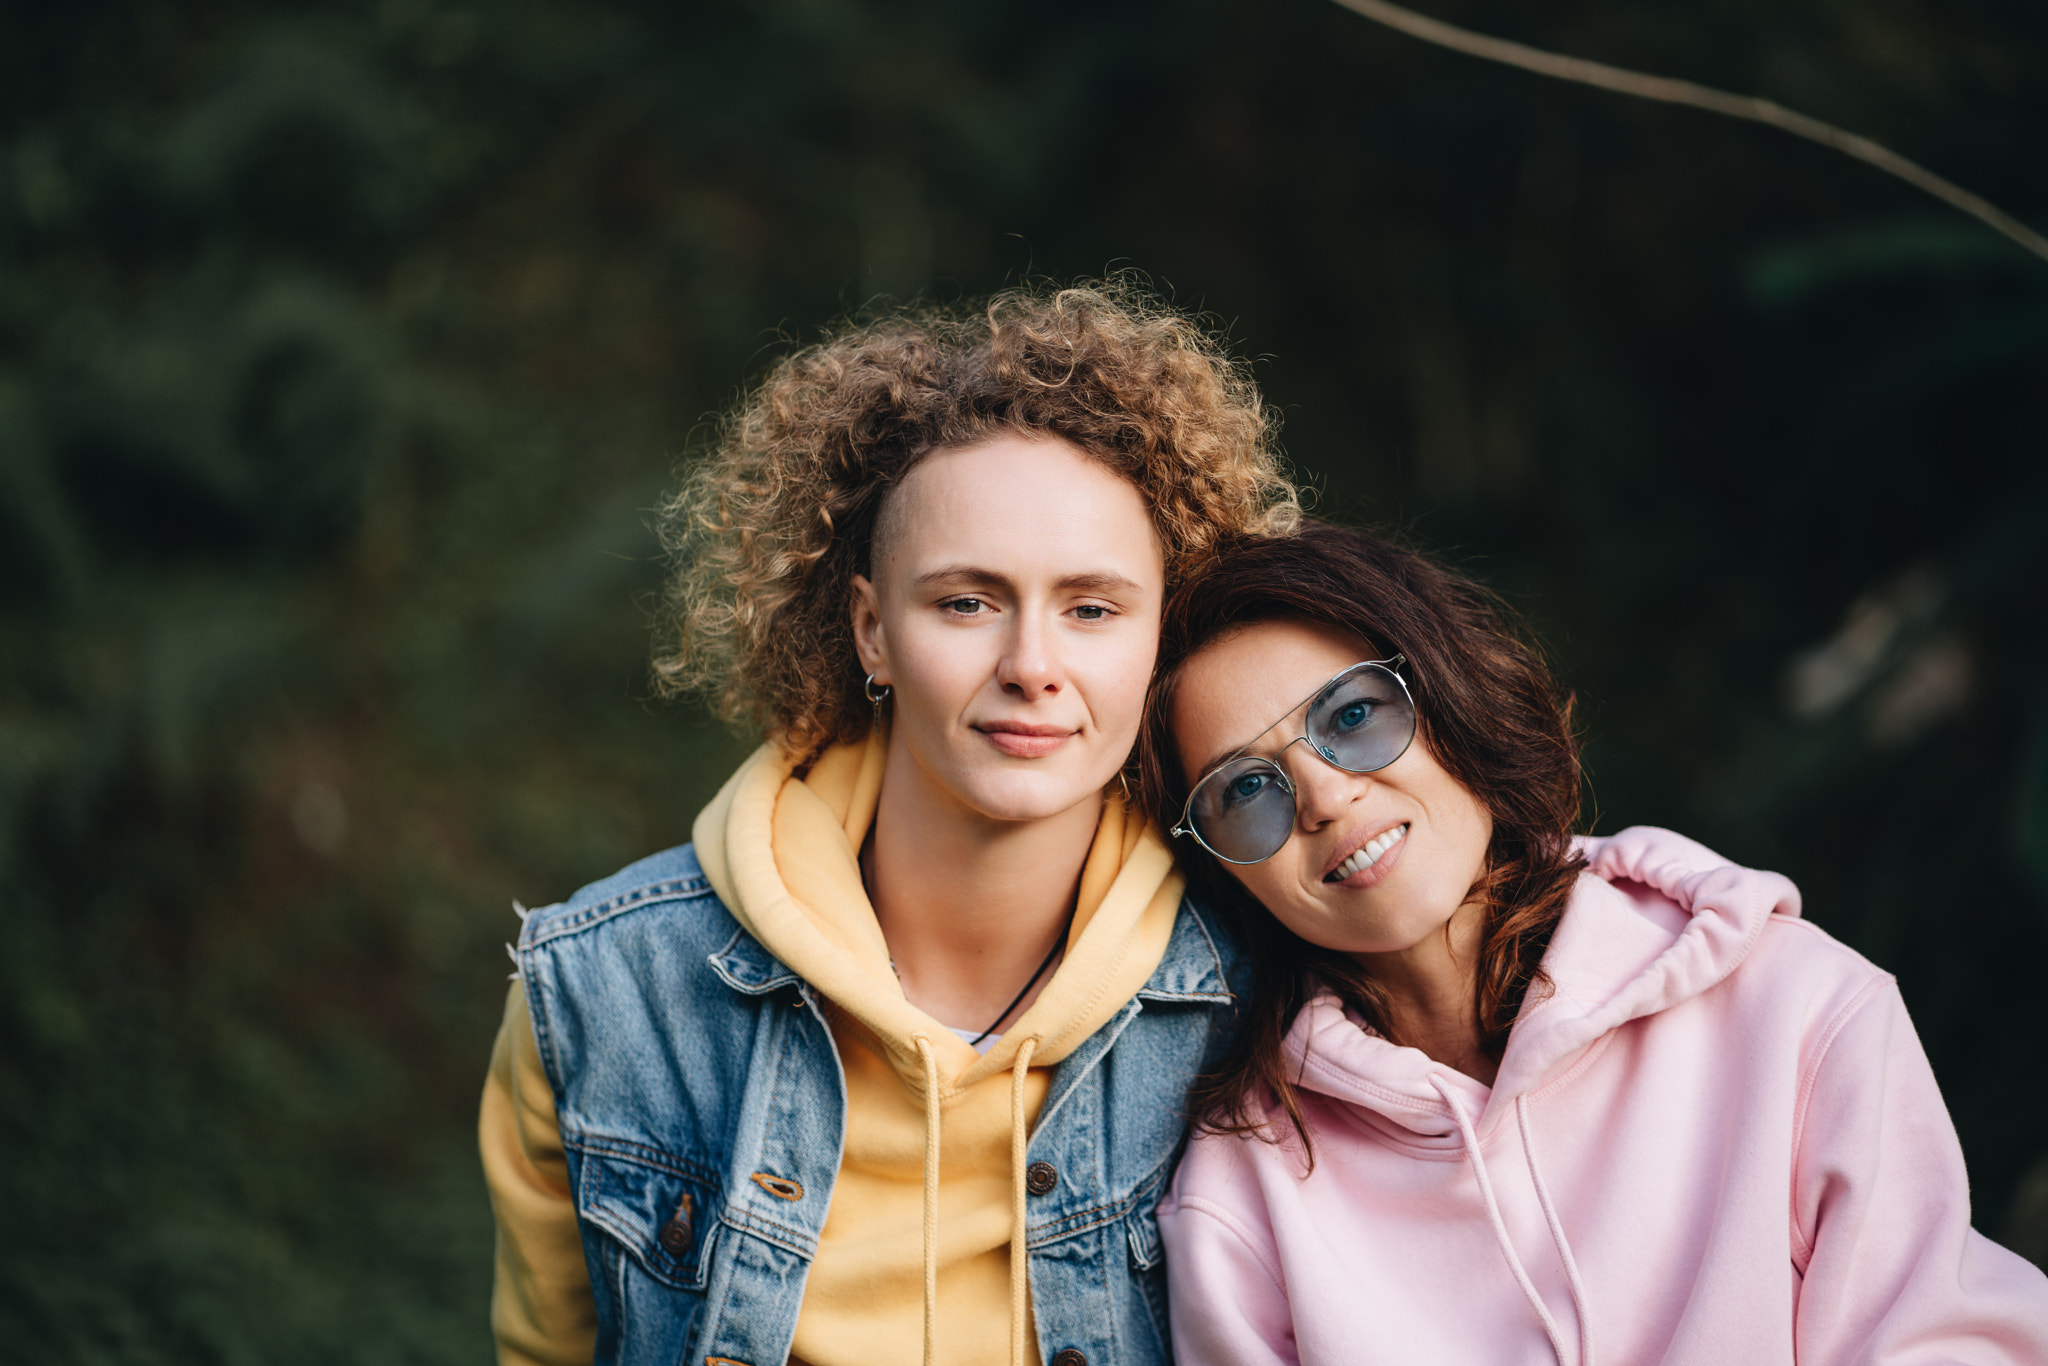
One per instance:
(1030, 666)
(1322, 792)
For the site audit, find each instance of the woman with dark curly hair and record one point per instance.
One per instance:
(1506, 1095)
(894, 1057)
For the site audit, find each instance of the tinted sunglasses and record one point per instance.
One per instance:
(1242, 810)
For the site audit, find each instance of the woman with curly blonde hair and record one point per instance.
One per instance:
(893, 1059)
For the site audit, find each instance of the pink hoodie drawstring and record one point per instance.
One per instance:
(1507, 1247)
(1564, 1247)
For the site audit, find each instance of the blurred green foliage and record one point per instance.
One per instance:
(344, 347)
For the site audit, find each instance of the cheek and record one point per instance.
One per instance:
(1267, 883)
(1470, 831)
(1116, 685)
(939, 664)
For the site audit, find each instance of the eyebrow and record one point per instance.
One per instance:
(1222, 757)
(1098, 580)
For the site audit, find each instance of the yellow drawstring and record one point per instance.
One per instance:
(931, 1197)
(1020, 1262)
(1020, 1253)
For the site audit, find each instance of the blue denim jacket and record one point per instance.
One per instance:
(703, 1109)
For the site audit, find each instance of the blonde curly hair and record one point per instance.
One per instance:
(774, 521)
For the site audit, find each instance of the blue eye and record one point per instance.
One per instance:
(1243, 788)
(1352, 715)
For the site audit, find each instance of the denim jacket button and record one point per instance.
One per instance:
(675, 1236)
(1039, 1178)
(1070, 1356)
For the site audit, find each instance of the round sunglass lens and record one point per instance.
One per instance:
(1243, 811)
(1365, 720)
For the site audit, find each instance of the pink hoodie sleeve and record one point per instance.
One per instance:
(1893, 1273)
(1228, 1305)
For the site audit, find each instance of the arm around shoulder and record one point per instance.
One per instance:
(1892, 1270)
(542, 1313)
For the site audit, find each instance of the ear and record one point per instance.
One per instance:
(868, 640)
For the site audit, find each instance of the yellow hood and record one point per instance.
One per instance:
(783, 854)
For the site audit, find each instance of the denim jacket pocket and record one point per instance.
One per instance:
(658, 1208)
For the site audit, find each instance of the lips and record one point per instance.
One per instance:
(1021, 741)
(1368, 854)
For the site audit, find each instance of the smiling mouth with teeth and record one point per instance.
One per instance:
(1368, 856)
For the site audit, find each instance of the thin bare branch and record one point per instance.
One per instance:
(1699, 97)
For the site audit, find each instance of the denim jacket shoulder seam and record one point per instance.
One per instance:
(569, 918)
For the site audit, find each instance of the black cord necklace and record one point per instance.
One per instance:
(867, 846)
(1050, 954)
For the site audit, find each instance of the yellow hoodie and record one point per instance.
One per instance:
(917, 1248)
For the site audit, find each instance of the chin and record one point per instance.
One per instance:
(1025, 796)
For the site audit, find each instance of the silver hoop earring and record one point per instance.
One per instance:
(876, 693)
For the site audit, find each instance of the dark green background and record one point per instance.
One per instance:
(344, 349)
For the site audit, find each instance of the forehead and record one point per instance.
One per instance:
(1018, 503)
(1238, 685)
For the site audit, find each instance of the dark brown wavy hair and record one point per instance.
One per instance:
(1489, 711)
(772, 523)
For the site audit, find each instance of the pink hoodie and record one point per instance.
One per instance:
(1678, 1163)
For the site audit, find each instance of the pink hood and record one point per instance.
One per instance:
(1614, 959)
(1714, 1138)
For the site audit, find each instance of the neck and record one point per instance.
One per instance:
(1430, 988)
(970, 906)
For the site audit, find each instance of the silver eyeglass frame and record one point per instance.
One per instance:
(1391, 666)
